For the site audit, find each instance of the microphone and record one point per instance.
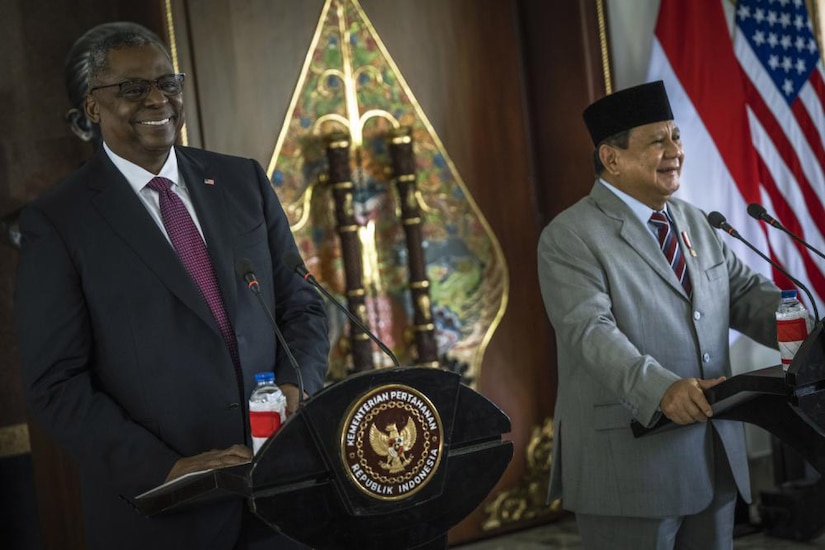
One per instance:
(301, 270)
(758, 212)
(718, 221)
(246, 271)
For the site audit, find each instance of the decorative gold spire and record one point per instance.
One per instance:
(350, 84)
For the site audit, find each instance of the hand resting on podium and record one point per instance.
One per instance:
(236, 454)
(684, 401)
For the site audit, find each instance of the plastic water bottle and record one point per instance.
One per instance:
(792, 326)
(267, 409)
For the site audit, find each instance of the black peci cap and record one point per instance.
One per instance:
(627, 109)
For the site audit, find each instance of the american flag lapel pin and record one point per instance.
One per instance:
(209, 181)
(686, 240)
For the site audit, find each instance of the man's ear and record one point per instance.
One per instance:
(92, 109)
(609, 156)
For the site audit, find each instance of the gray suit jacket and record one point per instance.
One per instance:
(626, 330)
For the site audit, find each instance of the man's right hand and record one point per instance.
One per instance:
(236, 454)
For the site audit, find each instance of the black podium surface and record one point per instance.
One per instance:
(791, 405)
(391, 456)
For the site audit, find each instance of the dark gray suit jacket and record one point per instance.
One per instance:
(122, 360)
(626, 330)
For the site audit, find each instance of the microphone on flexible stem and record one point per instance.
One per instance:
(246, 271)
(301, 269)
(718, 221)
(758, 212)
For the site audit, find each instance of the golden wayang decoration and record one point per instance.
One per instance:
(527, 501)
(349, 85)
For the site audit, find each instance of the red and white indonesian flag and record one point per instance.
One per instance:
(748, 99)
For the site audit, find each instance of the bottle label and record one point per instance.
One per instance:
(790, 334)
(264, 423)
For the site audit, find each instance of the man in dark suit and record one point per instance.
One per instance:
(139, 343)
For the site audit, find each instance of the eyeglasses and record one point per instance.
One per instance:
(138, 89)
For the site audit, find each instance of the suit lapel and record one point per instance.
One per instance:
(209, 196)
(635, 234)
(124, 212)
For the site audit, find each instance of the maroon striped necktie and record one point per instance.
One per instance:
(669, 243)
(191, 250)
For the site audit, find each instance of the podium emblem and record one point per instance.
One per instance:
(391, 442)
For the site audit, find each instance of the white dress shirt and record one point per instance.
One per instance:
(138, 178)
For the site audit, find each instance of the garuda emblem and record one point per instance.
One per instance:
(393, 445)
(391, 442)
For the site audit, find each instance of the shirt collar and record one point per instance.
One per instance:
(639, 209)
(138, 176)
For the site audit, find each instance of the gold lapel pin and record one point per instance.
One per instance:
(686, 240)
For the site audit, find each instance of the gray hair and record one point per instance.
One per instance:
(88, 60)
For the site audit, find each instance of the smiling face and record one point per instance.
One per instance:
(139, 131)
(649, 169)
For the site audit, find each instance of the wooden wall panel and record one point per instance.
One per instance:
(563, 62)
(246, 57)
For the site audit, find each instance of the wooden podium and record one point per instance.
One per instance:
(390, 456)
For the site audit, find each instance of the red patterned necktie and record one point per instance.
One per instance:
(669, 243)
(192, 252)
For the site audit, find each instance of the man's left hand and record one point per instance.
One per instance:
(684, 401)
(291, 393)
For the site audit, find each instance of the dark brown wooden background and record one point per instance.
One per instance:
(502, 81)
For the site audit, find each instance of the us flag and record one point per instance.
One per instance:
(746, 85)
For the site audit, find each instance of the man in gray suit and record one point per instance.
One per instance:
(641, 291)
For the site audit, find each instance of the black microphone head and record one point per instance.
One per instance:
(756, 211)
(244, 267)
(716, 219)
(297, 264)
